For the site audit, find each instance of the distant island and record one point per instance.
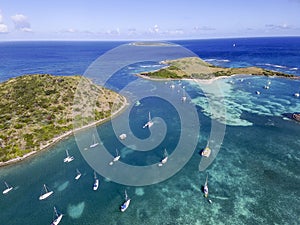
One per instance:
(195, 68)
(151, 43)
(38, 110)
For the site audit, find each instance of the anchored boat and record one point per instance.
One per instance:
(126, 203)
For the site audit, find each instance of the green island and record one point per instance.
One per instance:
(195, 68)
(38, 110)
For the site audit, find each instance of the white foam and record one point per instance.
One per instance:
(276, 66)
(216, 60)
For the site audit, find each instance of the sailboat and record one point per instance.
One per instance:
(46, 194)
(68, 158)
(268, 85)
(116, 158)
(149, 123)
(206, 187)
(96, 183)
(126, 203)
(183, 98)
(94, 144)
(8, 188)
(78, 174)
(58, 217)
(165, 159)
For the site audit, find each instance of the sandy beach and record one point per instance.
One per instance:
(202, 81)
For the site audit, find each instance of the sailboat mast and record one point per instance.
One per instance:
(149, 117)
(6, 184)
(126, 196)
(94, 139)
(55, 211)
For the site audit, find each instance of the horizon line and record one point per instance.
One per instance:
(145, 39)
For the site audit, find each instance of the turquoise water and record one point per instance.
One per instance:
(253, 180)
(254, 177)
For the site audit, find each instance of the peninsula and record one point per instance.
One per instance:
(38, 110)
(195, 68)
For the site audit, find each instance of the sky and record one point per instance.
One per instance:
(144, 20)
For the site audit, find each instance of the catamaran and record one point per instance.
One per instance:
(58, 217)
(149, 123)
(78, 174)
(94, 144)
(206, 187)
(46, 194)
(206, 152)
(123, 136)
(165, 159)
(126, 203)
(116, 158)
(96, 183)
(8, 188)
(296, 116)
(68, 158)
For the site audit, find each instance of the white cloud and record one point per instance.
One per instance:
(114, 32)
(21, 23)
(3, 27)
(178, 31)
(203, 28)
(154, 30)
(71, 30)
(281, 26)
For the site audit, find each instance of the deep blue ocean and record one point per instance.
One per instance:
(254, 178)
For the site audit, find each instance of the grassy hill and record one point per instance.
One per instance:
(193, 67)
(37, 108)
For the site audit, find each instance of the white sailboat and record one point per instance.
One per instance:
(268, 85)
(183, 98)
(165, 158)
(116, 158)
(46, 194)
(94, 144)
(96, 183)
(58, 217)
(78, 174)
(149, 123)
(68, 158)
(126, 203)
(8, 188)
(206, 187)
